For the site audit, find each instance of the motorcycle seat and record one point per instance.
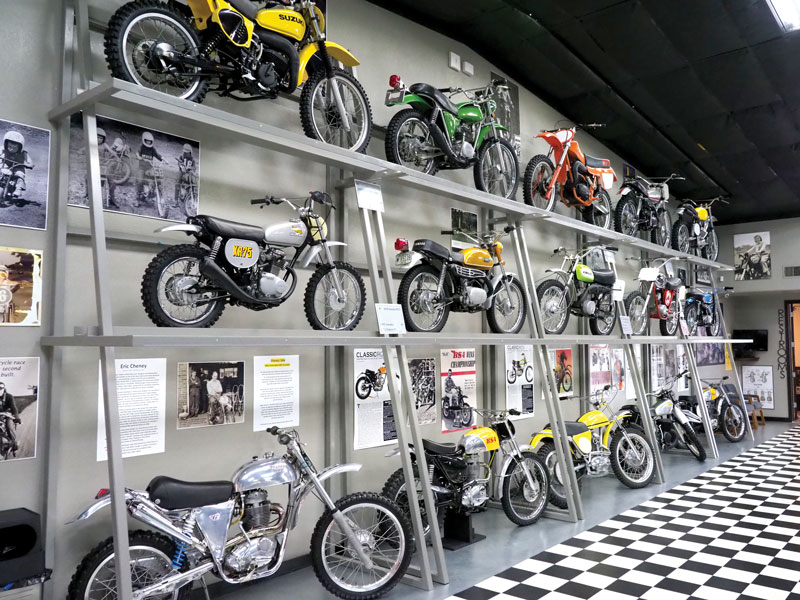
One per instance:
(247, 8)
(174, 494)
(232, 229)
(436, 448)
(673, 283)
(573, 428)
(425, 89)
(597, 163)
(604, 276)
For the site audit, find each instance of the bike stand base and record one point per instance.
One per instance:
(458, 531)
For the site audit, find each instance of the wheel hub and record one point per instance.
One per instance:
(334, 301)
(424, 301)
(365, 539)
(179, 289)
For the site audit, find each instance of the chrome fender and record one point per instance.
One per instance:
(187, 227)
(314, 251)
(416, 258)
(509, 458)
(96, 506)
(325, 474)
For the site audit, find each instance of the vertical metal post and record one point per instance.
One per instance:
(691, 358)
(84, 46)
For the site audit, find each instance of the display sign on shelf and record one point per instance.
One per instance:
(563, 371)
(390, 318)
(368, 195)
(625, 323)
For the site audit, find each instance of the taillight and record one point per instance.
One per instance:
(395, 81)
(101, 493)
(401, 244)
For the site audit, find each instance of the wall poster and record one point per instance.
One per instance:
(423, 386)
(757, 381)
(276, 391)
(142, 401)
(25, 155)
(507, 111)
(519, 379)
(374, 423)
(19, 407)
(710, 354)
(752, 256)
(563, 371)
(20, 287)
(210, 393)
(599, 368)
(618, 369)
(459, 389)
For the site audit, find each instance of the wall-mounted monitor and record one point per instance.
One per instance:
(760, 338)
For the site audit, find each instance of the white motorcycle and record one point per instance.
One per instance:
(360, 548)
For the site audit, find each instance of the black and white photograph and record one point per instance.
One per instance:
(20, 287)
(24, 175)
(143, 172)
(423, 386)
(210, 393)
(507, 111)
(19, 412)
(702, 276)
(752, 256)
(461, 220)
(710, 354)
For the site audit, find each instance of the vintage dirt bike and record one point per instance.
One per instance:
(440, 280)
(370, 381)
(118, 165)
(8, 180)
(667, 295)
(725, 415)
(246, 265)
(518, 367)
(701, 310)
(643, 207)
(6, 445)
(673, 427)
(599, 440)
(563, 376)
(461, 474)
(186, 188)
(153, 188)
(753, 265)
(435, 133)
(250, 54)
(456, 408)
(360, 547)
(693, 231)
(580, 180)
(579, 290)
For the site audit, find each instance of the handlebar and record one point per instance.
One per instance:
(447, 232)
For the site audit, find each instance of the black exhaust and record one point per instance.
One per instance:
(213, 271)
(273, 40)
(444, 145)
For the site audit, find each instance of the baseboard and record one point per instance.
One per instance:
(779, 419)
(221, 588)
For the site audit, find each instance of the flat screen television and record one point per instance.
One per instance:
(759, 343)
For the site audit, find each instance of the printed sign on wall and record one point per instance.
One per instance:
(423, 387)
(459, 389)
(374, 419)
(599, 368)
(757, 381)
(519, 378)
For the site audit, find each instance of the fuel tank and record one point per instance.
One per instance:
(284, 21)
(264, 472)
(477, 258)
(290, 233)
(482, 439)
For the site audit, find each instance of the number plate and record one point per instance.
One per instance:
(403, 259)
(395, 96)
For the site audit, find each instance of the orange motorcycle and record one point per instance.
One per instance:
(580, 180)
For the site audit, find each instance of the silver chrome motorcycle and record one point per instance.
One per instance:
(360, 547)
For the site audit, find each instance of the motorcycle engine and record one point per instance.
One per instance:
(256, 510)
(473, 295)
(258, 550)
(580, 181)
(599, 464)
(461, 146)
(252, 554)
(271, 262)
(474, 495)
(649, 216)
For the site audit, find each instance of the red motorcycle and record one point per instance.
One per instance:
(667, 294)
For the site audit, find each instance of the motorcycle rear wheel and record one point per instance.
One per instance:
(496, 169)
(711, 250)
(538, 175)
(669, 326)
(521, 504)
(318, 305)
(395, 490)
(511, 375)
(691, 317)
(605, 326)
(623, 461)
(414, 307)
(407, 129)
(363, 387)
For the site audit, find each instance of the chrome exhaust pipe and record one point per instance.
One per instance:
(172, 582)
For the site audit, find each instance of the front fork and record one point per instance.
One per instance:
(332, 84)
(337, 284)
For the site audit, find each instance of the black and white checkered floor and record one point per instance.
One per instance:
(732, 532)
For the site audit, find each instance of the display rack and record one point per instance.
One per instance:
(106, 336)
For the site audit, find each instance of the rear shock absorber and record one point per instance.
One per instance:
(215, 248)
(180, 545)
(213, 42)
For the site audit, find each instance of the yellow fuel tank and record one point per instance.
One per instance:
(702, 213)
(593, 418)
(480, 440)
(284, 21)
(477, 258)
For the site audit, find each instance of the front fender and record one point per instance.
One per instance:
(337, 52)
(96, 506)
(625, 414)
(187, 227)
(329, 472)
(485, 130)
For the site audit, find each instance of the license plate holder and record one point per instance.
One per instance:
(403, 259)
(395, 97)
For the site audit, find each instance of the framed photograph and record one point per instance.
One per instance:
(25, 174)
(423, 387)
(143, 171)
(710, 354)
(752, 256)
(210, 393)
(702, 276)
(20, 286)
(19, 401)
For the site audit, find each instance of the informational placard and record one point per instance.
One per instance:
(459, 389)
(142, 401)
(625, 323)
(19, 405)
(369, 196)
(599, 368)
(657, 368)
(423, 387)
(390, 318)
(757, 381)
(374, 423)
(276, 391)
(519, 379)
(682, 384)
(630, 388)
(563, 371)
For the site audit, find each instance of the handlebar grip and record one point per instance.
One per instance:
(258, 201)
(446, 90)
(612, 248)
(283, 439)
(557, 250)
(728, 287)
(514, 412)
(273, 430)
(509, 228)
(449, 232)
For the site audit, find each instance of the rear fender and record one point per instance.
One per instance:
(416, 101)
(187, 227)
(97, 505)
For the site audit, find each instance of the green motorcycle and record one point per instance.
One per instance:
(436, 133)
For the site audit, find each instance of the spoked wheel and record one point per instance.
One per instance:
(566, 382)
(692, 442)
(604, 324)
(319, 110)
(662, 234)
(636, 307)
(558, 495)
(691, 317)
(407, 138)
(140, 41)
(715, 329)
(681, 236)
(382, 533)
(711, 249)
(418, 297)
(669, 325)
(529, 373)
(626, 218)
(599, 212)
(508, 309)
(511, 375)
(732, 421)
(525, 495)
(363, 387)
(176, 294)
(554, 305)
(395, 490)
(325, 309)
(497, 168)
(161, 202)
(632, 457)
(118, 171)
(538, 175)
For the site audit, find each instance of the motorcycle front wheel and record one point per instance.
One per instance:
(320, 116)
(324, 309)
(599, 212)
(626, 218)
(406, 135)
(508, 309)
(711, 249)
(118, 171)
(496, 169)
(554, 305)
(384, 535)
(538, 175)
(632, 457)
(173, 289)
(732, 422)
(136, 30)
(363, 387)
(681, 236)
(691, 317)
(417, 297)
(662, 234)
(692, 442)
(636, 307)
(669, 326)
(523, 503)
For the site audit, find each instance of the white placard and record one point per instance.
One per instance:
(619, 290)
(369, 196)
(625, 323)
(390, 318)
(373, 423)
(519, 379)
(276, 391)
(684, 326)
(142, 401)
(610, 257)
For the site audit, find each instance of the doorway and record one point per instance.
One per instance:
(792, 341)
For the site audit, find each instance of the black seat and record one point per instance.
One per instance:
(673, 283)
(424, 89)
(232, 229)
(604, 276)
(174, 494)
(457, 257)
(247, 8)
(573, 427)
(435, 448)
(597, 163)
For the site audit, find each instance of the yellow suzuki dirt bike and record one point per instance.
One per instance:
(249, 53)
(599, 439)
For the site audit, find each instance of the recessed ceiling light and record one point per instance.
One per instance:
(786, 12)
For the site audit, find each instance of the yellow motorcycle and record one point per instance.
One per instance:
(600, 439)
(249, 53)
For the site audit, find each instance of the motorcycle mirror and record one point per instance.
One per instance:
(725, 378)
(273, 430)
(514, 412)
(606, 387)
(509, 228)
(612, 248)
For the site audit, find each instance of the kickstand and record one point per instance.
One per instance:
(205, 587)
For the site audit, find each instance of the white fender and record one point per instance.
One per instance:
(313, 251)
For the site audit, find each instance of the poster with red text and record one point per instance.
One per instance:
(459, 389)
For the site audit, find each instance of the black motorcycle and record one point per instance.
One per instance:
(455, 407)
(643, 207)
(694, 231)
(370, 381)
(700, 310)
(7, 449)
(725, 415)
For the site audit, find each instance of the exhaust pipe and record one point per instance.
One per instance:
(171, 583)
(286, 47)
(152, 517)
(214, 272)
(444, 145)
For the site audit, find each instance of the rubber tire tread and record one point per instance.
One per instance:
(691, 435)
(392, 487)
(476, 170)
(744, 429)
(547, 283)
(528, 180)
(490, 313)
(663, 324)
(403, 293)
(587, 213)
(654, 233)
(674, 239)
(392, 129)
(594, 326)
(319, 532)
(546, 448)
(360, 377)
(116, 25)
(313, 282)
(615, 439)
(691, 307)
(618, 215)
(506, 503)
(150, 287)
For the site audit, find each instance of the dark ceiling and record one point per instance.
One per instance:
(706, 88)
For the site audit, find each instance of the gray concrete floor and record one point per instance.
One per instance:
(506, 544)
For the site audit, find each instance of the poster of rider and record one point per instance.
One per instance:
(459, 389)
(507, 111)
(599, 368)
(757, 381)
(519, 379)
(19, 412)
(563, 371)
(618, 369)
(24, 175)
(710, 354)
(423, 386)
(373, 417)
(752, 256)
(210, 393)
(143, 171)
(20, 287)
